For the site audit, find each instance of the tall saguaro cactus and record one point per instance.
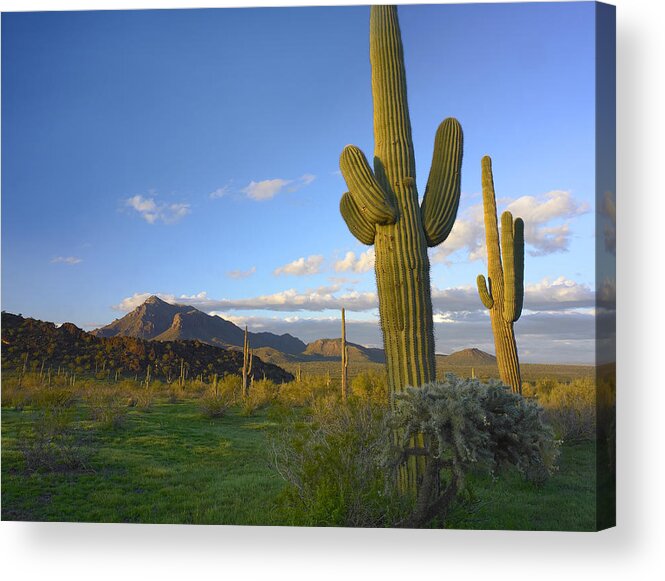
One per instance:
(381, 208)
(505, 295)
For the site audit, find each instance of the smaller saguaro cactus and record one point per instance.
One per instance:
(181, 380)
(505, 266)
(345, 360)
(247, 359)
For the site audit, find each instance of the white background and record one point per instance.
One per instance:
(633, 550)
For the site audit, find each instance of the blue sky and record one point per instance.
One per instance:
(194, 154)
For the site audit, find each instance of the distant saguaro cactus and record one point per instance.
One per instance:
(505, 265)
(381, 208)
(345, 360)
(247, 360)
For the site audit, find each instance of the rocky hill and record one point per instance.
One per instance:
(332, 349)
(469, 357)
(36, 342)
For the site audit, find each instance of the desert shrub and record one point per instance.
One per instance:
(54, 398)
(370, 386)
(107, 406)
(468, 426)
(37, 394)
(332, 459)
(142, 398)
(54, 444)
(196, 387)
(262, 393)
(569, 407)
(175, 393)
(214, 404)
(311, 387)
(230, 386)
(14, 395)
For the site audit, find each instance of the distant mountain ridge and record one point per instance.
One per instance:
(157, 320)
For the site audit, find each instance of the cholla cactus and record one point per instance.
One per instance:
(505, 295)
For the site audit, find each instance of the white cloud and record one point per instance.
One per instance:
(546, 226)
(268, 189)
(363, 263)
(240, 274)
(66, 260)
(558, 294)
(307, 179)
(202, 296)
(152, 211)
(301, 266)
(220, 192)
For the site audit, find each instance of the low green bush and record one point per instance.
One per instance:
(370, 386)
(311, 387)
(54, 445)
(332, 460)
(262, 393)
(108, 406)
(214, 405)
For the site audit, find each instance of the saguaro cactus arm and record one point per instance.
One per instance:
(358, 225)
(373, 202)
(442, 193)
(512, 250)
(518, 239)
(484, 292)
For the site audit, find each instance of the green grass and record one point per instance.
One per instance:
(169, 465)
(172, 465)
(566, 502)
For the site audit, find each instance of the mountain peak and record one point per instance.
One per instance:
(154, 300)
(162, 321)
(470, 356)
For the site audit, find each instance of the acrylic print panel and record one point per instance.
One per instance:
(216, 311)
